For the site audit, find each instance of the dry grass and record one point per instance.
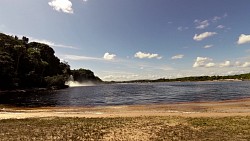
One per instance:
(127, 128)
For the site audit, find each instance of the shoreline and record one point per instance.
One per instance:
(239, 107)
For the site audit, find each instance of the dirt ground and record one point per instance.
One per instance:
(239, 107)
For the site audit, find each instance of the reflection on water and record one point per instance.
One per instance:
(130, 94)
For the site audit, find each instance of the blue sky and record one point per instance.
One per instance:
(138, 39)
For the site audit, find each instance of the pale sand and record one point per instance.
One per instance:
(194, 109)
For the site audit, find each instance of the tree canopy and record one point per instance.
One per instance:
(84, 75)
(30, 65)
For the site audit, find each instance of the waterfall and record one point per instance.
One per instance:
(72, 83)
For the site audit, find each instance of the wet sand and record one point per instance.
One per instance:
(226, 108)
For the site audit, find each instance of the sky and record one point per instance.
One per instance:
(138, 39)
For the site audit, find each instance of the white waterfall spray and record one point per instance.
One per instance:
(72, 83)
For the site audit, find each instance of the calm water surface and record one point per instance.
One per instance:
(130, 94)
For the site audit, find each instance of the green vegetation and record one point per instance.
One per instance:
(241, 77)
(127, 128)
(83, 75)
(32, 65)
(211, 78)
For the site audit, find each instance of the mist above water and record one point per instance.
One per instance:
(72, 83)
(78, 84)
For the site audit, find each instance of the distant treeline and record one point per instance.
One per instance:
(209, 78)
(34, 65)
(195, 78)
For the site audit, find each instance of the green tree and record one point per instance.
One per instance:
(83, 75)
(7, 70)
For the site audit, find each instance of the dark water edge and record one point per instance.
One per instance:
(129, 94)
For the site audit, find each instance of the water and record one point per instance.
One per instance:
(130, 94)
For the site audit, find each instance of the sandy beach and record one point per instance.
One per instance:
(226, 108)
(223, 120)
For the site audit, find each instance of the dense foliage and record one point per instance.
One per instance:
(31, 65)
(84, 75)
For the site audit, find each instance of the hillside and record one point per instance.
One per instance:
(33, 65)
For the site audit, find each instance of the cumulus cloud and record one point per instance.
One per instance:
(62, 5)
(201, 24)
(242, 64)
(244, 39)
(246, 64)
(208, 65)
(179, 56)
(108, 56)
(203, 62)
(203, 35)
(142, 55)
(208, 46)
(225, 64)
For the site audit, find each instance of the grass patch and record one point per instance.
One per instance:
(126, 128)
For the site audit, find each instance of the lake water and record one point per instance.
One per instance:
(130, 94)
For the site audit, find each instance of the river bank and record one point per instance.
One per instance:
(226, 108)
(223, 120)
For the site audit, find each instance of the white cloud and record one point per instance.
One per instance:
(242, 65)
(208, 46)
(62, 5)
(208, 65)
(216, 18)
(142, 55)
(246, 64)
(203, 35)
(120, 76)
(238, 63)
(179, 56)
(79, 58)
(201, 24)
(220, 26)
(50, 43)
(225, 64)
(108, 56)
(181, 28)
(244, 39)
(47, 42)
(203, 62)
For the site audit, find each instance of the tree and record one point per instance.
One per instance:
(25, 40)
(20, 50)
(83, 75)
(7, 70)
(26, 65)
